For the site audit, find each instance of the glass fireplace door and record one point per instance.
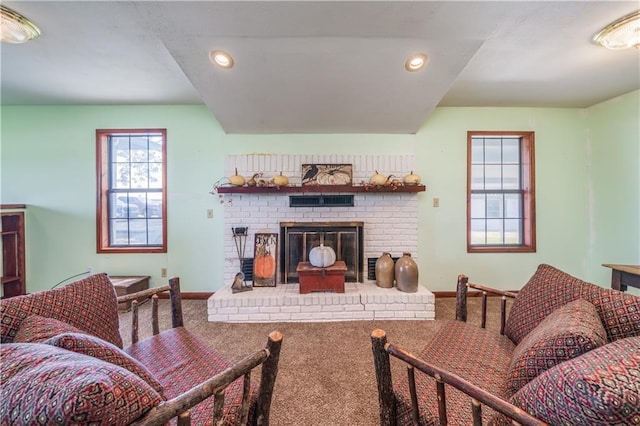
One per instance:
(346, 241)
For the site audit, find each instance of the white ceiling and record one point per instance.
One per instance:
(319, 67)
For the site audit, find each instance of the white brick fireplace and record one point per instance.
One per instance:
(390, 219)
(390, 224)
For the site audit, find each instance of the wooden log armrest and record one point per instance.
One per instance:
(141, 296)
(462, 287)
(180, 405)
(382, 350)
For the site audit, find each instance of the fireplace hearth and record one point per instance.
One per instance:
(298, 238)
(284, 303)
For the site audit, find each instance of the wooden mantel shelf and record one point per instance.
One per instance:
(318, 189)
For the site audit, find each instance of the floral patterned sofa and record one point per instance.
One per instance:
(568, 354)
(63, 362)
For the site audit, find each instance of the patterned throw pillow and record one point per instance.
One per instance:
(599, 387)
(89, 304)
(619, 311)
(36, 329)
(47, 385)
(548, 289)
(90, 345)
(566, 333)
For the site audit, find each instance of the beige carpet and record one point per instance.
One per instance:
(326, 374)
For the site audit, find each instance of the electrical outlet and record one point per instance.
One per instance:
(90, 270)
(436, 202)
(210, 214)
(163, 272)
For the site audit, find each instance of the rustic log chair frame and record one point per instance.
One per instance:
(478, 396)
(180, 405)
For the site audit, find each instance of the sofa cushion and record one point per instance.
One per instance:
(599, 387)
(476, 354)
(92, 346)
(548, 289)
(43, 384)
(180, 360)
(36, 329)
(89, 304)
(566, 333)
(619, 311)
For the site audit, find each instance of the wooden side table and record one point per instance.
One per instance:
(129, 284)
(623, 276)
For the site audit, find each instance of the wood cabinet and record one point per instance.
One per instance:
(13, 252)
(330, 278)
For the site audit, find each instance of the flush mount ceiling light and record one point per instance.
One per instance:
(416, 62)
(221, 58)
(621, 34)
(16, 28)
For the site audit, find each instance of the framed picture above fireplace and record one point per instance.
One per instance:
(327, 174)
(265, 255)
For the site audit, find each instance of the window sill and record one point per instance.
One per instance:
(495, 249)
(130, 250)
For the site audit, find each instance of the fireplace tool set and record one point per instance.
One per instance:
(240, 238)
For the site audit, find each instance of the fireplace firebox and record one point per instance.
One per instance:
(298, 238)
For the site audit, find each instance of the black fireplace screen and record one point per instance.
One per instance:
(298, 238)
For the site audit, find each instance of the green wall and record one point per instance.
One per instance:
(560, 202)
(47, 160)
(613, 152)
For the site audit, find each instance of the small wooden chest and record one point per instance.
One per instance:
(321, 279)
(128, 285)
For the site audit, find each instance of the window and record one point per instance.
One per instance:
(131, 207)
(500, 192)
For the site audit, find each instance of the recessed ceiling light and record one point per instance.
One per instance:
(16, 28)
(416, 62)
(221, 58)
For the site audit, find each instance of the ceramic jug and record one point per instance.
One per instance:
(406, 271)
(385, 273)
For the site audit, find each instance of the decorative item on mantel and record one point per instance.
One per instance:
(327, 174)
(252, 180)
(240, 239)
(406, 271)
(217, 184)
(317, 178)
(380, 181)
(237, 180)
(412, 179)
(280, 180)
(385, 271)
